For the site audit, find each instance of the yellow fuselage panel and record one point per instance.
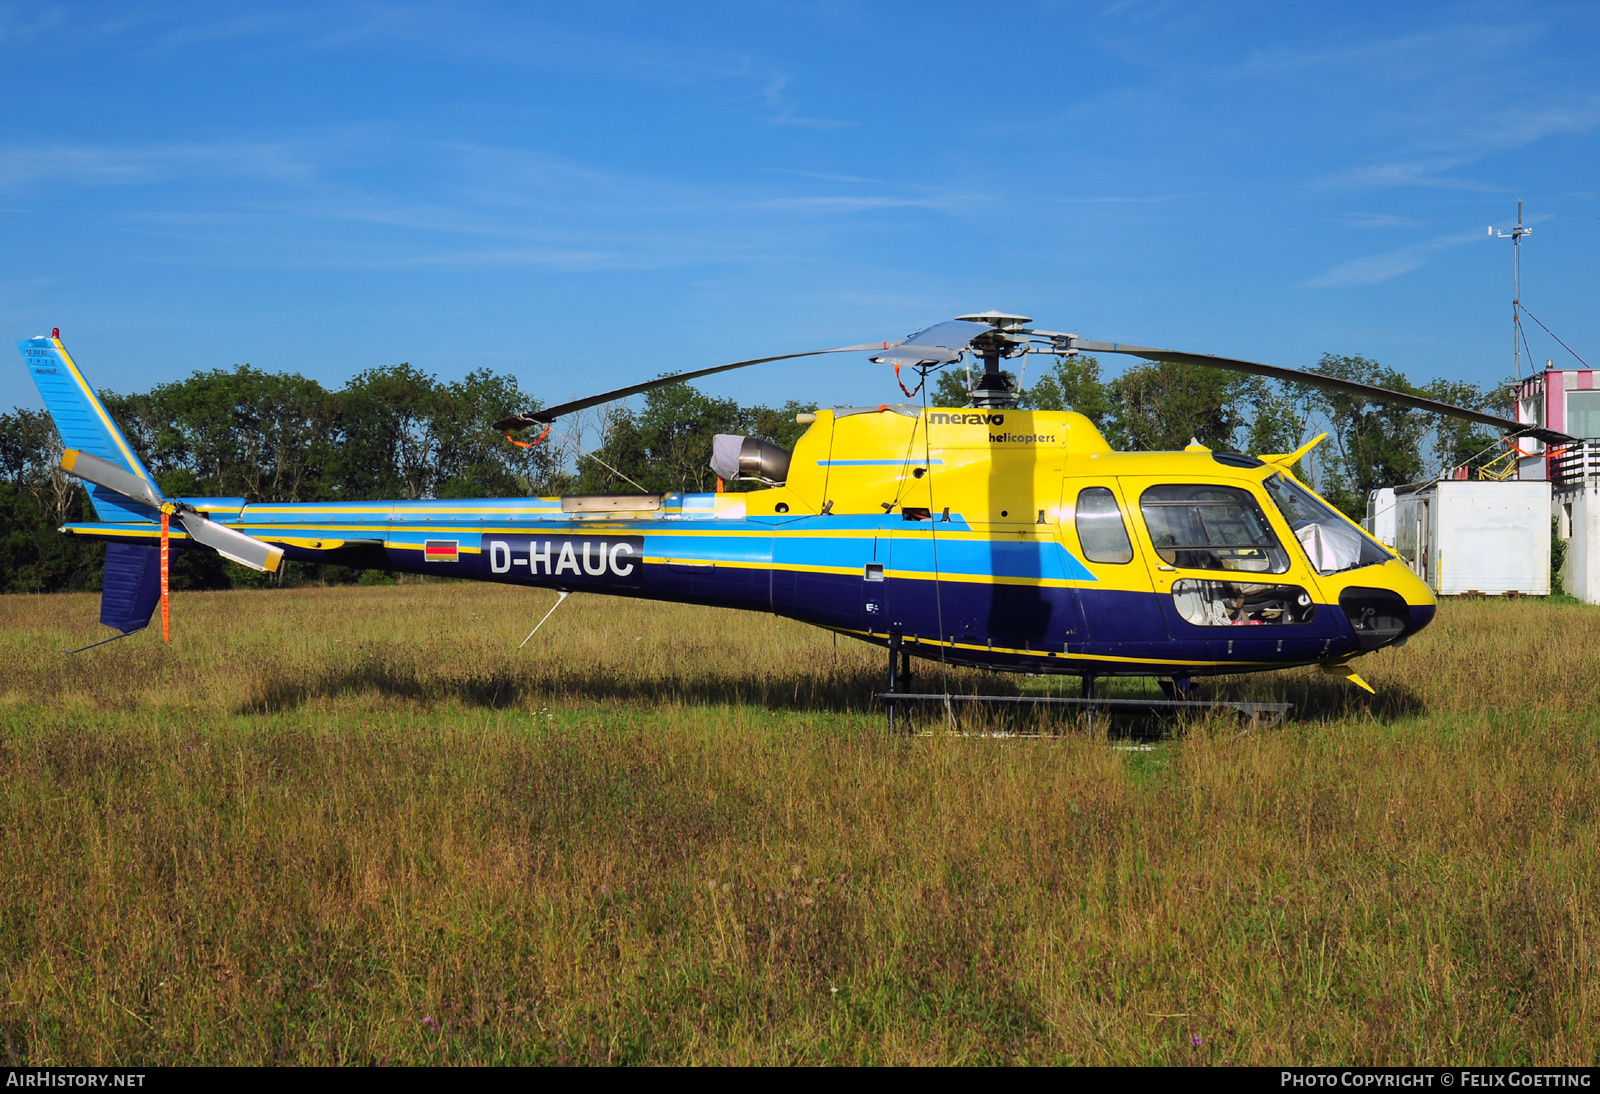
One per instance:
(989, 465)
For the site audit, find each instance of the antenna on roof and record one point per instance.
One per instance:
(1518, 311)
(1515, 236)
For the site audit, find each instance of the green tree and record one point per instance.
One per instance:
(473, 458)
(622, 463)
(1456, 442)
(1162, 406)
(676, 428)
(35, 500)
(666, 447)
(778, 425)
(1072, 383)
(1376, 444)
(388, 442)
(243, 432)
(949, 387)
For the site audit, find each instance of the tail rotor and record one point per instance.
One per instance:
(227, 542)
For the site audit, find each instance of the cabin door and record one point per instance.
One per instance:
(831, 576)
(1121, 609)
(1233, 587)
(988, 587)
(876, 584)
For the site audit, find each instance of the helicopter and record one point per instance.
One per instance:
(986, 536)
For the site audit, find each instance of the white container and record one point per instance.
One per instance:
(1490, 538)
(1379, 521)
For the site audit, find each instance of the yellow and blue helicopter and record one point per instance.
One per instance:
(984, 535)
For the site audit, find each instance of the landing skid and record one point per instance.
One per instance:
(1261, 715)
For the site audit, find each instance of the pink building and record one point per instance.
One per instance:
(1565, 400)
(1568, 401)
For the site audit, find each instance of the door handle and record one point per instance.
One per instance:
(1172, 569)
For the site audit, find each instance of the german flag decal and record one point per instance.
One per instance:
(440, 550)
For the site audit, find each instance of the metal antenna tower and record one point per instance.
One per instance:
(1517, 337)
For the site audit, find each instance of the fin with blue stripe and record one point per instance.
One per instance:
(84, 425)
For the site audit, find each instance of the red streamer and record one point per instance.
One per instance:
(536, 440)
(913, 393)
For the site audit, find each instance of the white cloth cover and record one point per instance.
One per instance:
(725, 448)
(1331, 547)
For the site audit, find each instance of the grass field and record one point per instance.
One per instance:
(357, 825)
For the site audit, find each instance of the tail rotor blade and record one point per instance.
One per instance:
(230, 544)
(243, 549)
(109, 475)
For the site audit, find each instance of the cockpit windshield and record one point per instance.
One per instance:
(1202, 526)
(1330, 541)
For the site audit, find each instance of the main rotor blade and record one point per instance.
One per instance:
(1328, 383)
(550, 413)
(107, 474)
(243, 549)
(936, 345)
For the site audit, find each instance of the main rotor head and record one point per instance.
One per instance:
(1006, 338)
(999, 320)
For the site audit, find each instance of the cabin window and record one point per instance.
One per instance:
(1203, 527)
(1240, 603)
(1330, 541)
(1101, 533)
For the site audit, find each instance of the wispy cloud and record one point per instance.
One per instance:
(463, 205)
(143, 165)
(22, 23)
(1387, 176)
(1375, 220)
(849, 204)
(1451, 144)
(1375, 269)
(1154, 199)
(1409, 57)
(786, 112)
(820, 176)
(1505, 130)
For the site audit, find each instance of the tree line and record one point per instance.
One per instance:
(399, 432)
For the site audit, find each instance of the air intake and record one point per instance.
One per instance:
(749, 458)
(1378, 616)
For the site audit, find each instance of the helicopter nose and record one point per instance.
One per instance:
(1419, 598)
(1388, 607)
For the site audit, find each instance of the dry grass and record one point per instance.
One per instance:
(355, 825)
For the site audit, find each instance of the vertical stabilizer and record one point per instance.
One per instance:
(83, 423)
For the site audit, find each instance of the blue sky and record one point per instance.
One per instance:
(590, 194)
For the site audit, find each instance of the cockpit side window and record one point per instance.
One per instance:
(1100, 529)
(1331, 542)
(1204, 527)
